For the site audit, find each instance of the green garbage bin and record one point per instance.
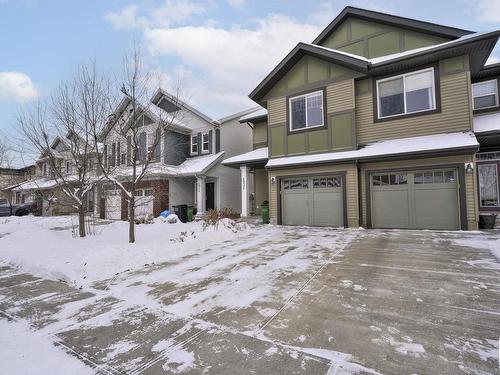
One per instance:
(190, 213)
(264, 209)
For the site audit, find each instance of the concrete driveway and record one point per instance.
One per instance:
(283, 301)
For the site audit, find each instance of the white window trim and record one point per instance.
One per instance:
(498, 192)
(192, 144)
(306, 96)
(203, 143)
(480, 96)
(404, 93)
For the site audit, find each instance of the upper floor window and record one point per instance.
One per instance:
(485, 94)
(194, 144)
(306, 111)
(407, 93)
(68, 167)
(205, 142)
(44, 169)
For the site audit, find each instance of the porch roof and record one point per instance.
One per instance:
(429, 144)
(258, 155)
(487, 123)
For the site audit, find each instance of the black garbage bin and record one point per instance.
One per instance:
(487, 221)
(181, 212)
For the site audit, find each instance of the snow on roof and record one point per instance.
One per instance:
(261, 112)
(197, 165)
(394, 56)
(487, 123)
(393, 147)
(252, 156)
(39, 184)
(238, 114)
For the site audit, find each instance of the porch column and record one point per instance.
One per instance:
(245, 189)
(200, 195)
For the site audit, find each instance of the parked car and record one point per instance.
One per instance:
(8, 209)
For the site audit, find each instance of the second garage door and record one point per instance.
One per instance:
(313, 201)
(425, 199)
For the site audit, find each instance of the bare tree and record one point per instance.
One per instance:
(126, 170)
(73, 111)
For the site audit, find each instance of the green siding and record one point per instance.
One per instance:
(342, 130)
(361, 29)
(317, 70)
(414, 40)
(357, 48)
(454, 64)
(384, 44)
(318, 140)
(338, 37)
(296, 77)
(278, 140)
(296, 143)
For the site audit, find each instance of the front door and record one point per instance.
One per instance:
(210, 196)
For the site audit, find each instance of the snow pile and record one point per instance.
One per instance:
(45, 246)
(32, 352)
(483, 242)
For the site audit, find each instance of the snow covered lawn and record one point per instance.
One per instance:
(46, 247)
(25, 351)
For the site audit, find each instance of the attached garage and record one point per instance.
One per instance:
(417, 199)
(313, 201)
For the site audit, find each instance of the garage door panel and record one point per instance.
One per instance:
(436, 208)
(295, 209)
(328, 208)
(113, 205)
(425, 199)
(390, 209)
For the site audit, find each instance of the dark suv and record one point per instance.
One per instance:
(8, 209)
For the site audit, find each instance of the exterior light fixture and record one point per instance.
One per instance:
(468, 168)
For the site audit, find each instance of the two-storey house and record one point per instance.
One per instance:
(44, 180)
(185, 168)
(372, 124)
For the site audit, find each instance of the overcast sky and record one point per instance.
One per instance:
(218, 50)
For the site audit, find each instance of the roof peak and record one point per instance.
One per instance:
(393, 20)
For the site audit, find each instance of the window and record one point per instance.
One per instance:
(436, 177)
(327, 182)
(205, 142)
(44, 169)
(493, 155)
(408, 93)
(390, 179)
(306, 111)
(68, 167)
(488, 185)
(485, 94)
(296, 184)
(194, 144)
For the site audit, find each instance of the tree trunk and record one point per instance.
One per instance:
(81, 221)
(131, 219)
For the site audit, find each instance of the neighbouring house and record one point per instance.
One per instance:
(10, 178)
(381, 122)
(44, 183)
(186, 167)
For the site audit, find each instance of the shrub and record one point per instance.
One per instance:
(212, 217)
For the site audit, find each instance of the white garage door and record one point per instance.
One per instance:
(113, 204)
(313, 201)
(144, 202)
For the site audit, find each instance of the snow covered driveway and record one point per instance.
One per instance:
(278, 300)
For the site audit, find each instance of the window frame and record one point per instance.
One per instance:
(194, 144)
(305, 94)
(497, 186)
(68, 167)
(480, 96)
(203, 142)
(436, 94)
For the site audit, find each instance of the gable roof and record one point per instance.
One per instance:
(479, 45)
(238, 115)
(392, 20)
(161, 93)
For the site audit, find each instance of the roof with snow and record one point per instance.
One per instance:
(258, 155)
(238, 115)
(198, 165)
(460, 142)
(259, 114)
(477, 45)
(487, 123)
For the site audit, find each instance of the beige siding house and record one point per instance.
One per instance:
(374, 125)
